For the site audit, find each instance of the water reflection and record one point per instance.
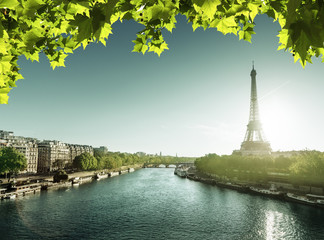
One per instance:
(273, 221)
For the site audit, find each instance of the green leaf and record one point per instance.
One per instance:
(4, 95)
(80, 7)
(30, 7)
(158, 12)
(208, 7)
(3, 80)
(292, 5)
(32, 56)
(283, 39)
(302, 46)
(109, 11)
(9, 4)
(225, 25)
(104, 33)
(235, 9)
(246, 35)
(254, 10)
(84, 25)
(140, 44)
(139, 47)
(158, 48)
(31, 37)
(59, 60)
(3, 47)
(5, 64)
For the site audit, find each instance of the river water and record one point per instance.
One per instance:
(155, 204)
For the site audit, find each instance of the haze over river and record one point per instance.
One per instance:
(155, 204)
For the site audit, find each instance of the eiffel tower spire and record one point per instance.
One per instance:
(254, 141)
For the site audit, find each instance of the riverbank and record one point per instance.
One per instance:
(256, 189)
(34, 183)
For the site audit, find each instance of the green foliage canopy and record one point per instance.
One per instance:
(113, 160)
(307, 167)
(58, 27)
(85, 161)
(11, 160)
(109, 161)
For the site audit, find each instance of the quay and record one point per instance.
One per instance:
(267, 191)
(23, 186)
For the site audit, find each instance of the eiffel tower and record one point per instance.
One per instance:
(254, 141)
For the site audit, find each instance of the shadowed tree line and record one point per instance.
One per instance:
(306, 168)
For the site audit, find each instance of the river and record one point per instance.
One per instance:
(155, 204)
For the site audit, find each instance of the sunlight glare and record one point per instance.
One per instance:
(280, 123)
(273, 221)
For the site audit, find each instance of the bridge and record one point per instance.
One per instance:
(168, 165)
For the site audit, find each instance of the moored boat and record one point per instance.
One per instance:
(10, 196)
(123, 172)
(320, 203)
(101, 175)
(230, 185)
(272, 191)
(300, 199)
(76, 181)
(181, 171)
(2, 193)
(86, 179)
(319, 199)
(113, 174)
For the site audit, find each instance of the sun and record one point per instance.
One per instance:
(280, 123)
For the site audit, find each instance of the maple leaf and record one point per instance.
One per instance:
(208, 7)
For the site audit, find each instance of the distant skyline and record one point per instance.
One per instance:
(191, 101)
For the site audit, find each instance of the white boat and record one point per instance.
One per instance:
(181, 171)
(319, 199)
(268, 192)
(10, 196)
(320, 203)
(300, 199)
(86, 179)
(272, 191)
(113, 174)
(76, 181)
(101, 175)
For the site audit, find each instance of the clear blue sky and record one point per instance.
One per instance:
(193, 100)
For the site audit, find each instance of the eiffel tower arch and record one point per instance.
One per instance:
(254, 141)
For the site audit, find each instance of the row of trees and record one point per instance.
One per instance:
(12, 161)
(111, 160)
(304, 168)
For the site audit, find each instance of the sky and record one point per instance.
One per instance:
(191, 101)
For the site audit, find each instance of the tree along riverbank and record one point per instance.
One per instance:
(302, 172)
